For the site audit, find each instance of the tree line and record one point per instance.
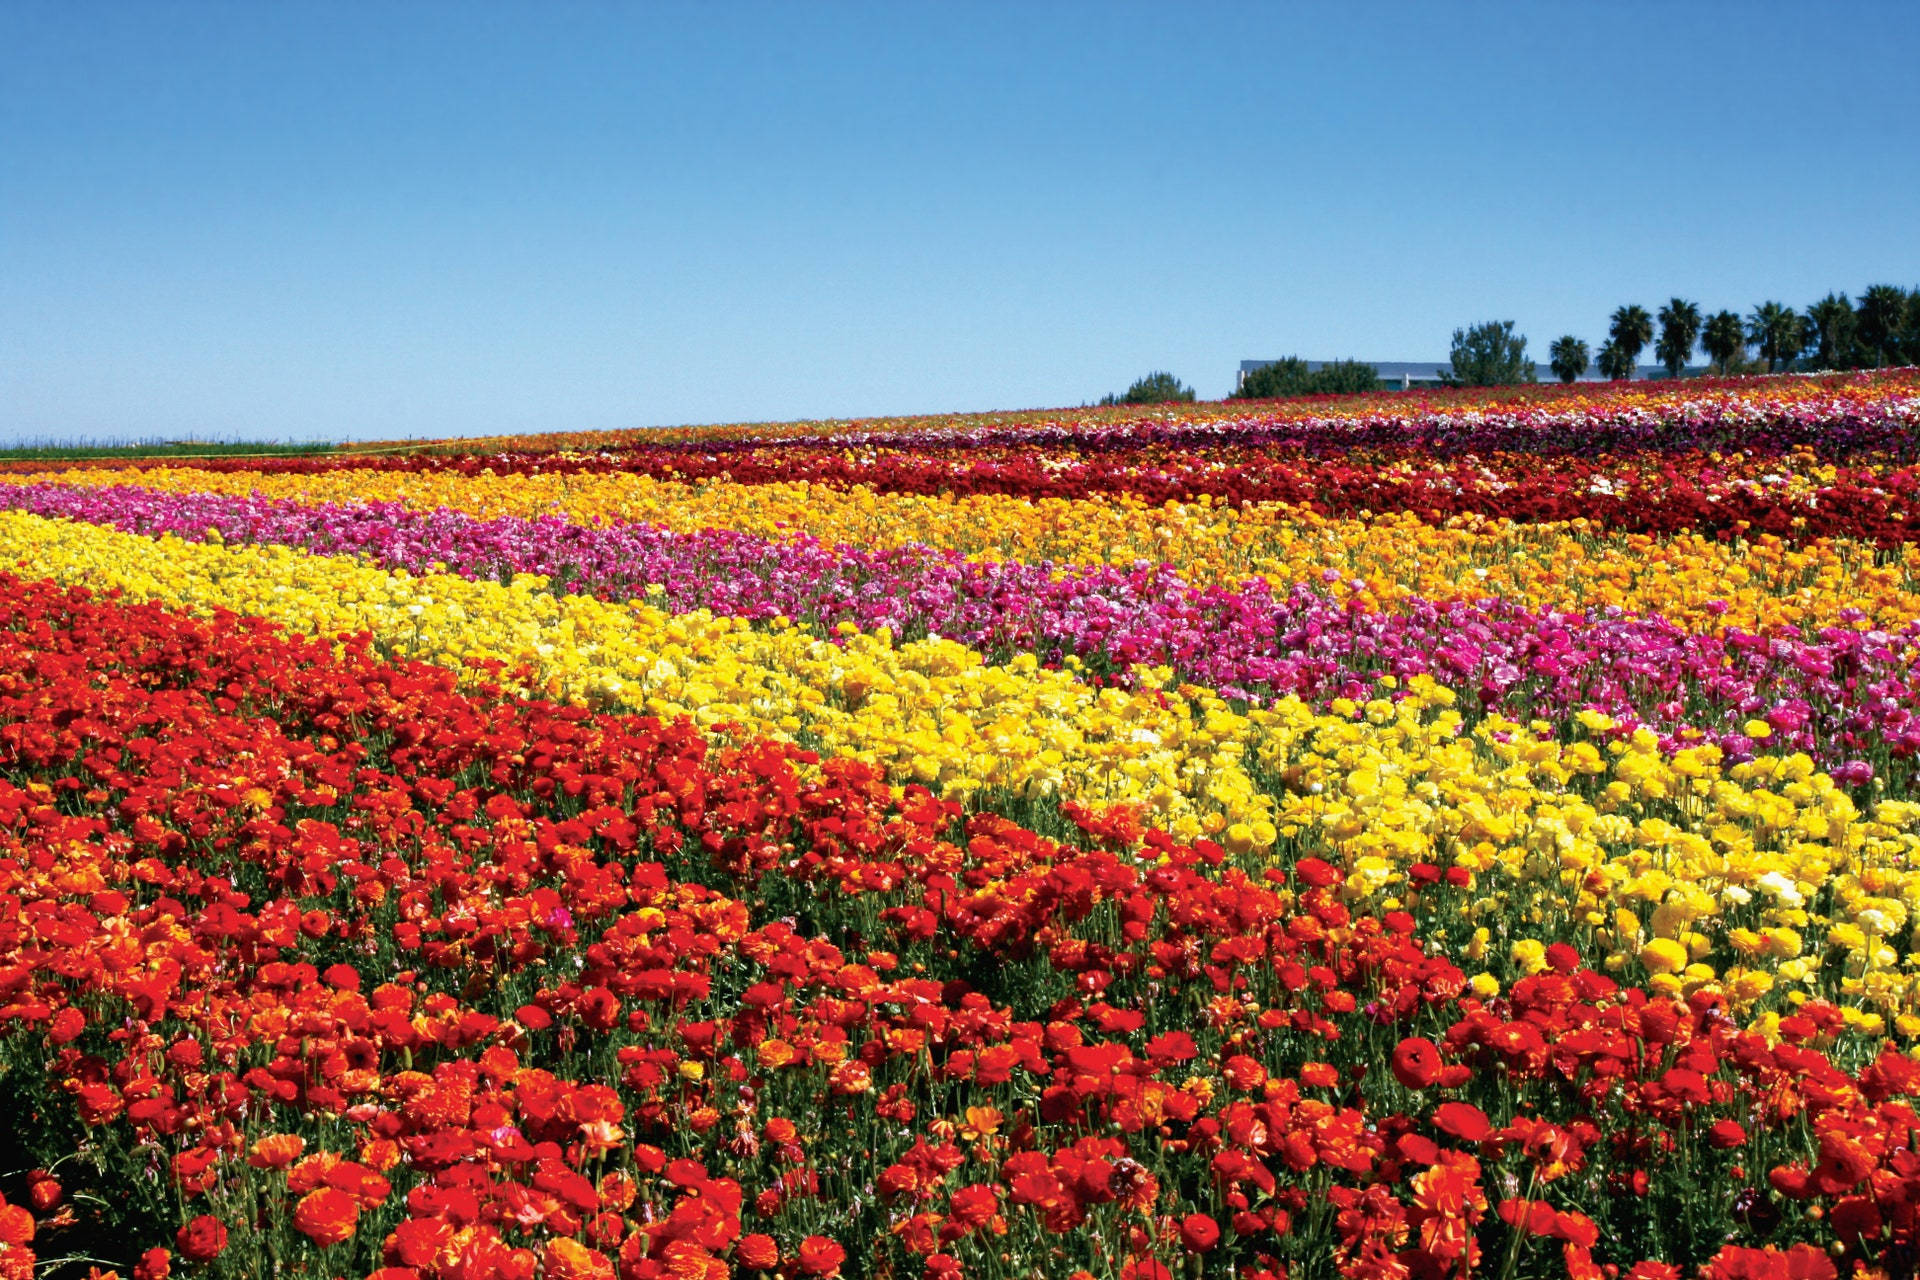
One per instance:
(1880, 330)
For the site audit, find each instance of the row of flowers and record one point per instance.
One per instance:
(1760, 879)
(1847, 696)
(1792, 497)
(1862, 414)
(1698, 583)
(313, 962)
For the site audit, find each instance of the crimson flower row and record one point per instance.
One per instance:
(305, 955)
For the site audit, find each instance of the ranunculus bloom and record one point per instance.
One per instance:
(758, 1251)
(1462, 1120)
(1199, 1232)
(16, 1225)
(202, 1239)
(276, 1151)
(1738, 1262)
(67, 1025)
(1243, 1072)
(1726, 1134)
(1416, 1062)
(327, 1216)
(821, 1256)
(571, 1260)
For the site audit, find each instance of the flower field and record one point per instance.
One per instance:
(1403, 837)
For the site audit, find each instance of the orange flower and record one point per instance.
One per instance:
(276, 1151)
(571, 1260)
(982, 1122)
(821, 1256)
(757, 1251)
(327, 1216)
(774, 1054)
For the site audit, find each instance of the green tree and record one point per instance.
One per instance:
(1613, 361)
(1488, 355)
(1344, 378)
(1775, 329)
(1288, 376)
(1881, 321)
(1156, 388)
(1679, 330)
(1724, 339)
(1631, 330)
(1292, 377)
(1835, 340)
(1569, 358)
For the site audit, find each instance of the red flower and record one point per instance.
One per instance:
(1529, 1217)
(1244, 1073)
(757, 1251)
(1416, 1062)
(202, 1239)
(975, 1205)
(821, 1256)
(1199, 1232)
(1320, 1075)
(1317, 873)
(1801, 1262)
(1461, 1120)
(1727, 1134)
(67, 1025)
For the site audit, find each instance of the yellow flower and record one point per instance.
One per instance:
(1529, 955)
(1663, 955)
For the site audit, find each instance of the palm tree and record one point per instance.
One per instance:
(1568, 356)
(1775, 329)
(1631, 331)
(1679, 330)
(1724, 339)
(1613, 362)
(1834, 325)
(1882, 314)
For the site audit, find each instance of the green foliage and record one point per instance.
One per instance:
(1884, 324)
(1344, 378)
(1613, 362)
(1724, 339)
(1679, 330)
(1288, 376)
(1775, 329)
(1292, 377)
(1569, 357)
(1158, 387)
(1631, 330)
(1490, 354)
(1835, 340)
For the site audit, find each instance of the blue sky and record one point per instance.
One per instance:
(390, 220)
